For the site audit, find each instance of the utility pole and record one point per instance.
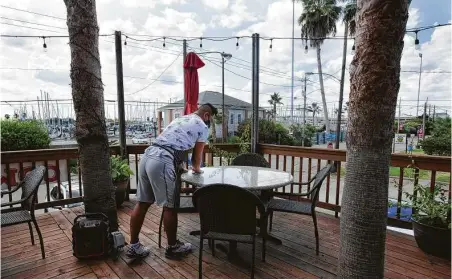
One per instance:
(341, 91)
(419, 86)
(222, 102)
(184, 54)
(120, 94)
(255, 92)
(398, 119)
(293, 58)
(423, 120)
(434, 113)
(304, 111)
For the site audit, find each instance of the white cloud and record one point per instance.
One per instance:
(216, 4)
(237, 14)
(144, 61)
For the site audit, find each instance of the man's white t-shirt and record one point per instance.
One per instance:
(183, 133)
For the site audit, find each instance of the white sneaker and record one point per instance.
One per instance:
(137, 251)
(178, 250)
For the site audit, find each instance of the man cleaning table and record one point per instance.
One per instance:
(157, 172)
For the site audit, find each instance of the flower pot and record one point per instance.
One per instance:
(120, 191)
(432, 240)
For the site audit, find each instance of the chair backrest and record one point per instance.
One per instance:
(250, 159)
(30, 185)
(227, 209)
(318, 181)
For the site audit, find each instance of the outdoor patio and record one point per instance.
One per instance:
(295, 258)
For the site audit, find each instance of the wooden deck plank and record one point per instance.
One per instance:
(295, 258)
(91, 275)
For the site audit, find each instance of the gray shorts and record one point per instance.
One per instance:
(156, 178)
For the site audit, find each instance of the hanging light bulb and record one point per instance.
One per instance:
(353, 49)
(44, 45)
(271, 45)
(237, 44)
(164, 42)
(125, 41)
(306, 49)
(416, 43)
(200, 44)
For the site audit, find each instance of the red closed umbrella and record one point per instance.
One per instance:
(191, 65)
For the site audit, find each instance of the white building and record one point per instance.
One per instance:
(237, 110)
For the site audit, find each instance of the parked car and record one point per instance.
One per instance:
(141, 139)
(64, 194)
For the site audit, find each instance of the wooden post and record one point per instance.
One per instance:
(120, 91)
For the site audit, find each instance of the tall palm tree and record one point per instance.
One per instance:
(317, 21)
(88, 97)
(314, 108)
(375, 82)
(275, 99)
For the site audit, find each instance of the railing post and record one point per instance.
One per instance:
(120, 92)
(255, 93)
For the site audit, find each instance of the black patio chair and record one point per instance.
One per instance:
(183, 202)
(301, 207)
(228, 213)
(25, 213)
(251, 159)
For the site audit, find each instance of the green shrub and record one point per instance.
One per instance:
(438, 146)
(297, 133)
(23, 135)
(234, 140)
(270, 132)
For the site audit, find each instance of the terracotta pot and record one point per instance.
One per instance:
(432, 240)
(120, 191)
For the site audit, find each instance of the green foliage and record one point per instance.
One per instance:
(23, 135)
(440, 142)
(120, 170)
(432, 208)
(234, 140)
(297, 133)
(270, 132)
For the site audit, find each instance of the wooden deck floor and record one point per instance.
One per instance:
(296, 258)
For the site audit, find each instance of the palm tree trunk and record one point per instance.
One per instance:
(88, 97)
(375, 82)
(322, 90)
(274, 111)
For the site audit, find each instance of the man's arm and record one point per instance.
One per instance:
(197, 156)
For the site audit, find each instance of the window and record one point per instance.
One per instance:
(239, 118)
(232, 119)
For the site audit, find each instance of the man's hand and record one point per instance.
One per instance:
(196, 169)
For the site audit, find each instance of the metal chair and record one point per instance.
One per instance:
(228, 213)
(26, 212)
(301, 207)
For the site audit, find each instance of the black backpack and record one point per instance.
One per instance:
(91, 236)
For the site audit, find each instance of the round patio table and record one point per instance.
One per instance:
(247, 177)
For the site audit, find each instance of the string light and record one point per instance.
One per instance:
(125, 41)
(271, 45)
(164, 41)
(44, 45)
(416, 43)
(200, 44)
(237, 44)
(306, 49)
(353, 48)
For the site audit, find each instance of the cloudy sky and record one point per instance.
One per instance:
(154, 73)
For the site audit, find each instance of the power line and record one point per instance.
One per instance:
(30, 12)
(23, 26)
(33, 23)
(163, 72)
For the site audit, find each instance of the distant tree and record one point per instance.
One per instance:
(275, 99)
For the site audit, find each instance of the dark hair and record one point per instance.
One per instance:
(211, 108)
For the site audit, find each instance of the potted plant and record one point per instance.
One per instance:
(120, 173)
(431, 220)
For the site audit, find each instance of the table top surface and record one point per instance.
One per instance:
(252, 178)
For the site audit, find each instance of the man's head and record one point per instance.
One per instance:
(206, 112)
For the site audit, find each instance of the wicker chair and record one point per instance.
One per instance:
(228, 213)
(301, 207)
(26, 212)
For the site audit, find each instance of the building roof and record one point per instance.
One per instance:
(216, 99)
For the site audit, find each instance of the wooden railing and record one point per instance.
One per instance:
(302, 163)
